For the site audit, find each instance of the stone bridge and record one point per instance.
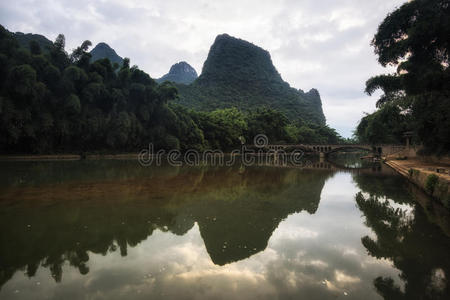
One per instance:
(327, 165)
(325, 149)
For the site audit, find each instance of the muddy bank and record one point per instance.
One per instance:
(53, 157)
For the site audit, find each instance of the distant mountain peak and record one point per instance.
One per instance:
(240, 74)
(183, 67)
(103, 44)
(230, 55)
(103, 50)
(313, 96)
(180, 72)
(313, 92)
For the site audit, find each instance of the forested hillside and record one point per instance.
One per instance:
(240, 74)
(55, 102)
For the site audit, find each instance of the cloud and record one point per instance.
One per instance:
(322, 44)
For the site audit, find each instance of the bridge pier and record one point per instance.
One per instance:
(322, 158)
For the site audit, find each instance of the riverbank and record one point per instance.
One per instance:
(431, 177)
(52, 157)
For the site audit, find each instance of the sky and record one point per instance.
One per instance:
(322, 44)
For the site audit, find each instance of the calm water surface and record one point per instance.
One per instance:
(115, 230)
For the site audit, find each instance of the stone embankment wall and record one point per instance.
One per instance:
(427, 178)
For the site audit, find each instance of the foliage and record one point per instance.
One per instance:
(277, 127)
(55, 102)
(415, 39)
(385, 126)
(431, 182)
(222, 128)
(269, 122)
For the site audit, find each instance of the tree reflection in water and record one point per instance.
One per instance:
(56, 213)
(406, 237)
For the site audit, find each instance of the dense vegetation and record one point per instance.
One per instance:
(55, 102)
(240, 74)
(415, 38)
(385, 126)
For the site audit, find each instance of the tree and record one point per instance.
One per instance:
(60, 42)
(21, 80)
(267, 121)
(73, 105)
(385, 126)
(222, 128)
(58, 54)
(415, 38)
(78, 53)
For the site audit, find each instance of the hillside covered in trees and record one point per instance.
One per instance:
(55, 102)
(416, 39)
(240, 74)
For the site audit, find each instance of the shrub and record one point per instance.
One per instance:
(431, 182)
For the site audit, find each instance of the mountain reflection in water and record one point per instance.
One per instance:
(193, 232)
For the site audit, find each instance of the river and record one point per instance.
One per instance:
(112, 229)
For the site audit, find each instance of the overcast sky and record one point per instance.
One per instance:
(323, 44)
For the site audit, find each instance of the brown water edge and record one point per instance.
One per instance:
(55, 157)
(168, 183)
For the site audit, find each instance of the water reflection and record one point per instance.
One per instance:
(260, 232)
(406, 236)
(101, 210)
(351, 160)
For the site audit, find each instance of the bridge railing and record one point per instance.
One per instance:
(337, 145)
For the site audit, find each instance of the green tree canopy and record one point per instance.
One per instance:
(415, 39)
